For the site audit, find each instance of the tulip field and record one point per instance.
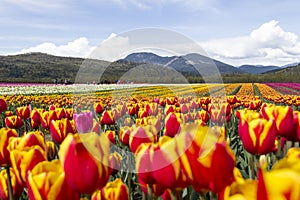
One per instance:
(135, 141)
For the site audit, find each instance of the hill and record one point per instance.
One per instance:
(136, 67)
(254, 69)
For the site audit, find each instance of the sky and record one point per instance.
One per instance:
(237, 32)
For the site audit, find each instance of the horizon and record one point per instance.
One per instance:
(291, 64)
(251, 32)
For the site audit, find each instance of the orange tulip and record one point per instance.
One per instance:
(89, 152)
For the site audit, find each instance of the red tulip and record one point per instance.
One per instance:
(258, 136)
(98, 107)
(107, 118)
(13, 121)
(59, 129)
(23, 112)
(172, 124)
(89, 152)
(5, 134)
(3, 105)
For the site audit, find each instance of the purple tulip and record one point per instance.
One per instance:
(83, 121)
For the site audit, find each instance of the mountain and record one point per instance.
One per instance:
(291, 65)
(137, 67)
(257, 69)
(190, 63)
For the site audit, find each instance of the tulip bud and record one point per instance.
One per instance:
(107, 118)
(172, 125)
(83, 121)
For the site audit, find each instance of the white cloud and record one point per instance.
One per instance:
(78, 48)
(268, 44)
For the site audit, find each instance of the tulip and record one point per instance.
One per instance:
(111, 135)
(51, 150)
(172, 125)
(47, 117)
(231, 99)
(28, 140)
(278, 184)
(89, 153)
(258, 136)
(115, 160)
(16, 187)
(5, 134)
(35, 115)
(24, 160)
(207, 160)
(47, 181)
(83, 121)
(203, 115)
(165, 164)
(9, 113)
(13, 121)
(60, 113)
(23, 112)
(132, 110)
(59, 129)
(141, 135)
(283, 116)
(98, 107)
(124, 134)
(107, 118)
(240, 190)
(69, 113)
(3, 105)
(115, 190)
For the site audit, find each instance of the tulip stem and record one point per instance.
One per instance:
(129, 176)
(10, 191)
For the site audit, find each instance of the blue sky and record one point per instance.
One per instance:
(236, 32)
